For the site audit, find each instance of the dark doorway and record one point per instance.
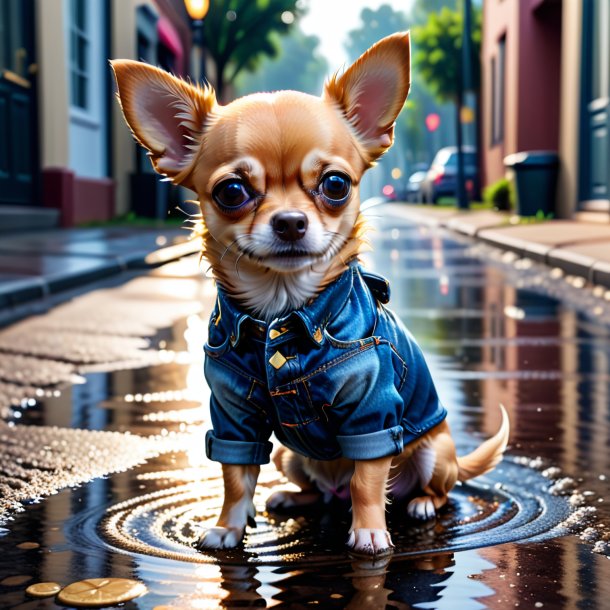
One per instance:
(18, 122)
(595, 144)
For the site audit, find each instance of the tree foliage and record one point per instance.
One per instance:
(239, 33)
(421, 9)
(438, 51)
(376, 24)
(298, 66)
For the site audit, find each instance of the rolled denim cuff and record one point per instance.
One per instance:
(372, 445)
(236, 452)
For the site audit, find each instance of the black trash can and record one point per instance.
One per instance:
(535, 181)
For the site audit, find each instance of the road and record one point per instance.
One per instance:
(104, 409)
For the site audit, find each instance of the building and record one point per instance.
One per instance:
(64, 148)
(546, 86)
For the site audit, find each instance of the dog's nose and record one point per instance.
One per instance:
(290, 225)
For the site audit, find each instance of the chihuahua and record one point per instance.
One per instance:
(300, 342)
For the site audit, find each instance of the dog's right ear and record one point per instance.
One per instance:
(165, 114)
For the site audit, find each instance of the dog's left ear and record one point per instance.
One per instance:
(373, 90)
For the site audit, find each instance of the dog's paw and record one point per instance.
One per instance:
(283, 500)
(219, 538)
(421, 508)
(366, 541)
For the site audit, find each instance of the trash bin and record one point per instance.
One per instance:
(535, 180)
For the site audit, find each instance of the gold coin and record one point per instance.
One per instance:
(99, 592)
(43, 589)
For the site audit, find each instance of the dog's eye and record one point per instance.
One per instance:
(231, 194)
(335, 187)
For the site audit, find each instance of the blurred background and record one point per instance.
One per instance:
(499, 87)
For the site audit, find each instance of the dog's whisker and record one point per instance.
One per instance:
(241, 254)
(227, 249)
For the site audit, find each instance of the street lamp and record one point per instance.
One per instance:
(197, 10)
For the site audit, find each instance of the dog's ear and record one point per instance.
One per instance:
(373, 90)
(165, 114)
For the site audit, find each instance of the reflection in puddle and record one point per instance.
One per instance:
(490, 335)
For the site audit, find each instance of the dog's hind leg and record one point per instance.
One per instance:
(436, 464)
(292, 467)
(237, 509)
(440, 468)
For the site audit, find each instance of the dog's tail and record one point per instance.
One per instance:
(487, 456)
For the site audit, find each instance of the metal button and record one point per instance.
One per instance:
(277, 361)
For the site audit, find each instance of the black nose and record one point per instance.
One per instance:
(290, 225)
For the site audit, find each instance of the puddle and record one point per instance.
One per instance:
(534, 533)
(514, 505)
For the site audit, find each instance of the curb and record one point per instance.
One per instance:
(485, 226)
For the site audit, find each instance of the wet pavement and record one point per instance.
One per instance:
(36, 264)
(103, 473)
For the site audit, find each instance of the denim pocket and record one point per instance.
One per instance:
(218, 341)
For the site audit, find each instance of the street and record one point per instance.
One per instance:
(104, 413)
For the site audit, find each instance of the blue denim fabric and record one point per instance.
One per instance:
(351, 380)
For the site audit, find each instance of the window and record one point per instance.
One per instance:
(498, 93)
(79, 54)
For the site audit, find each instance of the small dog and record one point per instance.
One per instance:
(300, 343)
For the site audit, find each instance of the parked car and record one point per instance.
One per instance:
(413, 189)
(441, 178)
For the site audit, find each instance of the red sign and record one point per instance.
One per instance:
(433, 121)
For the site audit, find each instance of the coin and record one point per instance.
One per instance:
(43, 589)
(99, 592)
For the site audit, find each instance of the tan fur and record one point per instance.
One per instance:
(280, 147)
(367, 484)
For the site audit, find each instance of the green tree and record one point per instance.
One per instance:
(298, 66)
(437, 53)
(421, 9)
(376, 24)
(239, 33)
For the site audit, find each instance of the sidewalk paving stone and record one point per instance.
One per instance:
(471, 223)
(127, 248)
(595, 257)
(56, 270)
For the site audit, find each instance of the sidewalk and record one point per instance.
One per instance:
(39, 264)
(576, 247)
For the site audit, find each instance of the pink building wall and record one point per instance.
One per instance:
(500, 20)
(532, 31)
(539, 76)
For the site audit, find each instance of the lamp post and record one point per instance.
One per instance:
(197, 10)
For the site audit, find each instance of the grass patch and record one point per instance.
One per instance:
(451, 202)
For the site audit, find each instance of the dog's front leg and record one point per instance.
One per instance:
(237, 508)
(369, 534)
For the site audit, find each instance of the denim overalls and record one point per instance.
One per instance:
(339, 377)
